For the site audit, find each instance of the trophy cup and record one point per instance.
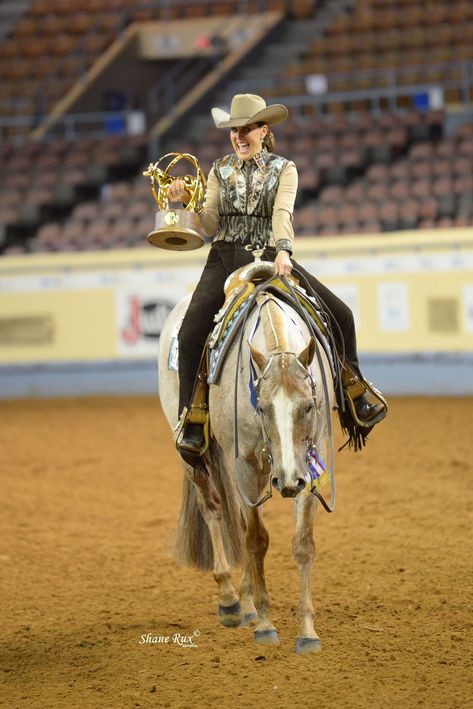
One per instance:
(177, 229)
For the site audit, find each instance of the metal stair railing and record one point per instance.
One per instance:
(163, 96)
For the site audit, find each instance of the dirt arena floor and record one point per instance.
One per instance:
(90, 492)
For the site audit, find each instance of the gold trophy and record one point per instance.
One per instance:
(177, 229)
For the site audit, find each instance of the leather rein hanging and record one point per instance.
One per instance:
(329, 507)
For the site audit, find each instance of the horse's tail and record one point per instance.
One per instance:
(193, 544)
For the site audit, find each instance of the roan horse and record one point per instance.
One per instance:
(221, 524)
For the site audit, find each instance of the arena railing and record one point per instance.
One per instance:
(71, 126)
(243, 6)
(456, 75)
(100, 124)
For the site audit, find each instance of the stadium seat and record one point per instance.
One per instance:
(357, 169)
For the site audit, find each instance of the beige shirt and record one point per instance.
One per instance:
(283, 205)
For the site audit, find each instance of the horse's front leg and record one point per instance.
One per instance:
(248, 610)
(257, 542)
(210, 505)
(254, 479)
(303, 548)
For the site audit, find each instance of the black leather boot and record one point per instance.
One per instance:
(192, 439)
(369, 412)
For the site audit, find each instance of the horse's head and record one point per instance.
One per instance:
(287, 407)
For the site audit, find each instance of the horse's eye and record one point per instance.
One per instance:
(308, 409)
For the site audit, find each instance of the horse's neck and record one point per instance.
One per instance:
(283, 330)
(278, 332)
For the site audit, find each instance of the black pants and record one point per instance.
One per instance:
(209, 297)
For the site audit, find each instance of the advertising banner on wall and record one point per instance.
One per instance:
(143, 305)
(393, 304)
(141, 315)
(408, 293)
(468, 301)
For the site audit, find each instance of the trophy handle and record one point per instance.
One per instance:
(164, 179)
(199, 184)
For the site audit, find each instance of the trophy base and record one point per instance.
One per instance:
(176, 230)
(175, 240)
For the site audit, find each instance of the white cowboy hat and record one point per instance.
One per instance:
(248, 108)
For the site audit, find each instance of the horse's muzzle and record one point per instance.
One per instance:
(289, 490)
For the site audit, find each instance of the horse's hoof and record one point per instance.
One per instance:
(230, 616)
(249, 619)
(266, 637)
(305, 646)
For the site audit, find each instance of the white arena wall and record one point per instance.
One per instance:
(89, 323)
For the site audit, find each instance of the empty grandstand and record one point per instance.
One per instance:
(379, 93)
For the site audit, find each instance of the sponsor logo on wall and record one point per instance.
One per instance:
(140, 320)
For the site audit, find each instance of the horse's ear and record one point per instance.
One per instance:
(258, 358)
(307, 354)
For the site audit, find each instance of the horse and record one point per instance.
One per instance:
(255, 445)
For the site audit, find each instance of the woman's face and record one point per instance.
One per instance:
(247, 140)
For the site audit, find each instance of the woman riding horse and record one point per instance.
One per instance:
(249, 205)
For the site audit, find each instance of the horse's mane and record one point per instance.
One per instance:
(275, 333)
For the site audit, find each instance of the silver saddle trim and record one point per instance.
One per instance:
(173, 354)
(265, 269)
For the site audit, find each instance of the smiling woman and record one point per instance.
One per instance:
(247, 140)
(249, 206)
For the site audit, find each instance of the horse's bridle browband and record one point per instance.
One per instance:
(266, 450)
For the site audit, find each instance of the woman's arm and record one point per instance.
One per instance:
(210, 214)
(282, 218)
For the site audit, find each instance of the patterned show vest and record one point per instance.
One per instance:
(246, 198)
